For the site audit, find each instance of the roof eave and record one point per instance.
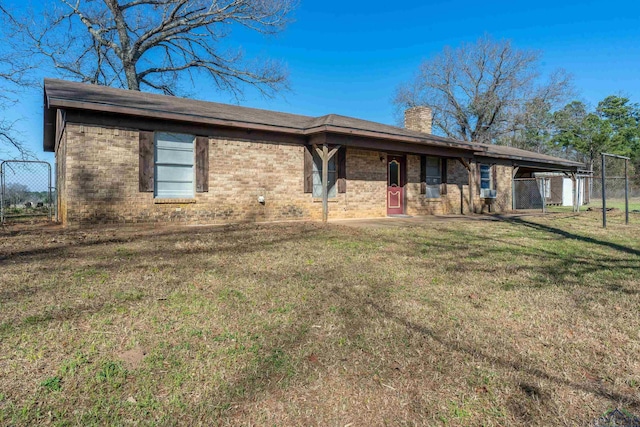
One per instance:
(426, 140)
(178, 117)
(560, 165)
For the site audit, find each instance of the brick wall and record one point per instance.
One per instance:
(97, 175)
(419, 118)
(418, 204)
(456, 199)
(503, 185)
(366, 194)
(98, 182)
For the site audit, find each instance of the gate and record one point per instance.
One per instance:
(26, 191)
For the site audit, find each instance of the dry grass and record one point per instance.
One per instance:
(531, 321)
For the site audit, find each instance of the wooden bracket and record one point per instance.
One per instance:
(330, 154)
(325, 155)
(464, 163)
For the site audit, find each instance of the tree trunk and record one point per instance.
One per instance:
(132, 76)
(126, 55)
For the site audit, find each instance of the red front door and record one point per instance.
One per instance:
(395, 185)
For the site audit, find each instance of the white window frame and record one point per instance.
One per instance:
(490, 192)
(490, 179)
(159, 166)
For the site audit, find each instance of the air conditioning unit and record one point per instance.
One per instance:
(486, 193)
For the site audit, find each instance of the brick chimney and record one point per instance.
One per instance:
(419, 119)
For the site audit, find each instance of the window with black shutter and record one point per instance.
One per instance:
(173, 165)
(337, 172)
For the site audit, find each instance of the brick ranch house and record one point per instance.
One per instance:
(126, 157)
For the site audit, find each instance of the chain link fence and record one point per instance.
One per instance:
(550, 192)
(26, 191)
(528, 194)
(615, 198)
(615, 191)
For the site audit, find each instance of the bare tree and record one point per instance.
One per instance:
(16, 194)
(483, 91)
(154, 44)
(13, 70)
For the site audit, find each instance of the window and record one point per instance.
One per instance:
(317, 176)
(485, 177)
(487, 184)
(394, 173)
(433, 178)
(174, 166)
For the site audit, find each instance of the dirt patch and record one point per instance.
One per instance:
(132, 359)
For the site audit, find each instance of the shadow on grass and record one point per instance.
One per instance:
(164, 252)
(568, 235)
(269, 369)
(475, 352)
(80, 239)
(539, 260)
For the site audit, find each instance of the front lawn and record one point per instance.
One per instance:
(529, 321)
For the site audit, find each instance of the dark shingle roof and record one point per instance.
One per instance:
(64, 94)
(501, 151)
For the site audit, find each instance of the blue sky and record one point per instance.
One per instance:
(348, 57)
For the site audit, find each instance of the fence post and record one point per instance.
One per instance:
(49, 192)
(626, 192)
(604, 193)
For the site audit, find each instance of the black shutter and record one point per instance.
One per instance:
(145, 163)
(423, 174)
(494, 174)
(443, 176)
(341, 164)
(202, 164)
(308, 169)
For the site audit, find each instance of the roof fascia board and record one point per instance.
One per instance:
(189, 118)
(426, 139)
(385, 145)
(83, 117)
(545, 166)
(520, 160)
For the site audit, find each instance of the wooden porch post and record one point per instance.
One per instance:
(325, 182)
(325, 155)
(467, 166)
(575, 192)
(472, 185)
(513, 187)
